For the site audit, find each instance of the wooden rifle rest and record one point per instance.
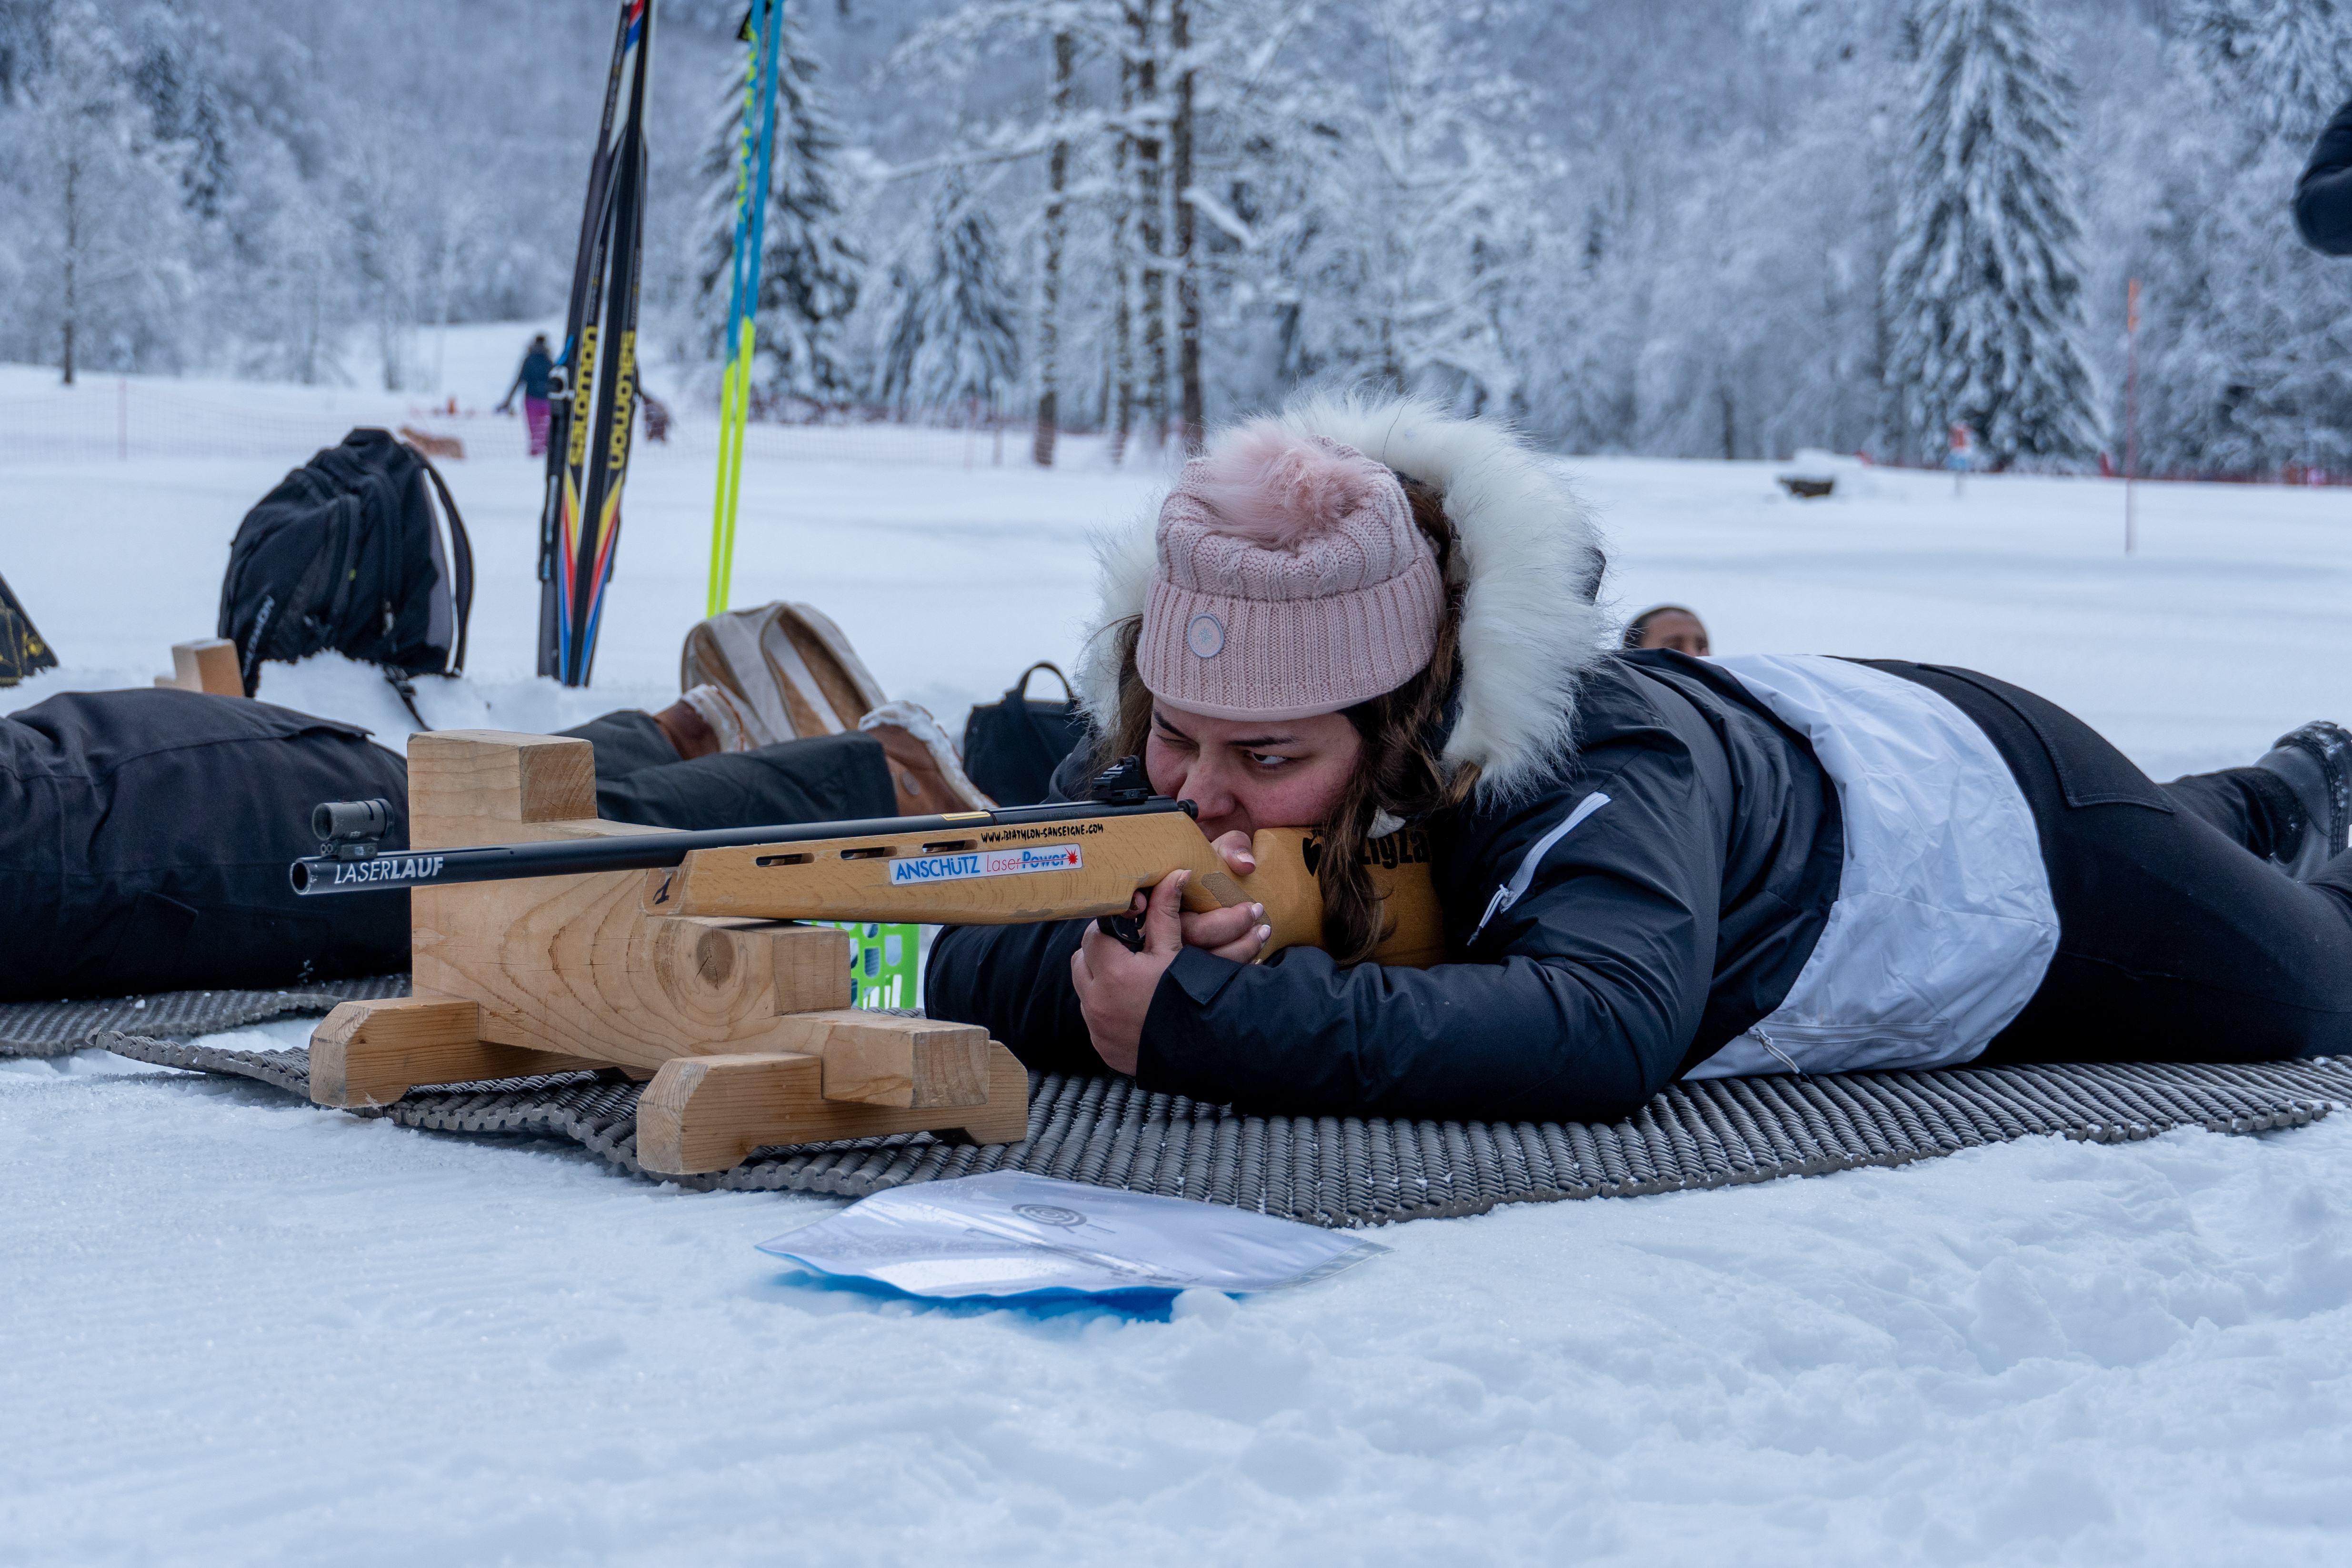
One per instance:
(743, 1026)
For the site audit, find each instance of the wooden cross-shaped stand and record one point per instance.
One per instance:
(743, 1027)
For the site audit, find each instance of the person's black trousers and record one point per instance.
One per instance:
(640, 779)
(2177, 940)
(145, 835)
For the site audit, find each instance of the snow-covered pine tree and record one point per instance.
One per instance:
(1420, 219)
(810, 267)
(2284, 59)
(2242, 372)
(1984, 285)
(182, 102)
(954, 339)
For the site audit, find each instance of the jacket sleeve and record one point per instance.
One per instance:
(2323, 197)
(1591, 987)
(1015, 981)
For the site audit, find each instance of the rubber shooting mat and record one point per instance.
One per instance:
(60, 1029)
(1347, 1171)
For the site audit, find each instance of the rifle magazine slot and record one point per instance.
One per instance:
(951, 847)
(867, 852)
(784, 860)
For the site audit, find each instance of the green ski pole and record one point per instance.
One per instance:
(743, 305)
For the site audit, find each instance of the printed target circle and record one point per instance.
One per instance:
(1046, 1214)
(1206, 636)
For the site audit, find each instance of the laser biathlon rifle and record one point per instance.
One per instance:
(1009, 866)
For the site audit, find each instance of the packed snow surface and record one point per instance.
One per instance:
(247, 1331)
(242, 1330)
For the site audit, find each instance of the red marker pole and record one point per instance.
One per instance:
(2131, 408)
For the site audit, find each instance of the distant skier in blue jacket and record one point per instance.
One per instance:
(531, 379)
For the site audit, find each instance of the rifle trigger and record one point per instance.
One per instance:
(1127, 930)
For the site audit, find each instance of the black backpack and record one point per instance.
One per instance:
(1012, 747)
(349, 552)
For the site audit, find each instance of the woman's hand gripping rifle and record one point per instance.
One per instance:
(1010, 866)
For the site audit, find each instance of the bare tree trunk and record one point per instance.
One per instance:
(1190, 418)
(73, 253)
(1049, 312)
(312, 327)
(1122, 241)
(1152, 200)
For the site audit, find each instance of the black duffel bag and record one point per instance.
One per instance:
(1012, 747)
(349, 552)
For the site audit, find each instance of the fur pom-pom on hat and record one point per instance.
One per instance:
(1273, 486)
(1289, 580)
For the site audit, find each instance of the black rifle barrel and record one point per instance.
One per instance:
(316, 874)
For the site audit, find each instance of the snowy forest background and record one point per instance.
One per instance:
(1704, 228)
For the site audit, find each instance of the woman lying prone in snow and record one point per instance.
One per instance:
(1650, 866)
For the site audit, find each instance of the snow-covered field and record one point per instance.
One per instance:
(240, 1330)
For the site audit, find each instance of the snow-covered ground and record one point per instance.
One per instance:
(240, 1330)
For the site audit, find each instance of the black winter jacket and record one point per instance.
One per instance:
(1668, 922)
(144, 837)
(2323, 197)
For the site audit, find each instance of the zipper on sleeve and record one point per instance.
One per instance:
(1511, 892)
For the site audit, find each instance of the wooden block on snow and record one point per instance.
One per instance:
(475, 786)
(372, 1053)
(704, 1114)
(573, 964)
(570, 964)
(878, 1058)
(433, 446)
(1006, 1118)
(209, 667)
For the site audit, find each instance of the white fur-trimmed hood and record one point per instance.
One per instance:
(1529, 564)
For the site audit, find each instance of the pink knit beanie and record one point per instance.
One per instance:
(1290, 582)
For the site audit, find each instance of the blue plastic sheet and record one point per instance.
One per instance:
(1008, 1234)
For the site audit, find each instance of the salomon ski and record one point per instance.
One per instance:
(594, 401)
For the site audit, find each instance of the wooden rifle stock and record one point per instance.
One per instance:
(1006, 867)
(1048, 870)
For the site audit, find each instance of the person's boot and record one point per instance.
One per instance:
(2316, 763)
(789, 669)
(706, 722)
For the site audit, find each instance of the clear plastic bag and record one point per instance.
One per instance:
(1010, 1234)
